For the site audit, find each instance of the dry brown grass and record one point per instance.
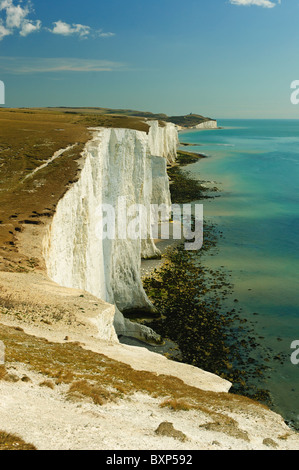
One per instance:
(48, 384)
(83, 388)
(220, 422)
(13, 442)
(69, 363)
(94, 376)
(176, 405)
(28, 138)
(270, 442)
(8, 302)
(228, 426)
(3, 372)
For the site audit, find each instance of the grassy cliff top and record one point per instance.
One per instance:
(29, 137)
(189, 120)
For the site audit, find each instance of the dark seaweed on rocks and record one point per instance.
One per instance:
(189, 299)
(184, 188)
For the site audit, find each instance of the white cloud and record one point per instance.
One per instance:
(81, 30)
(260, 3)
(29, 27)
(101, 34)
(3, 30)
(29, 65)
(65, 29)
(15, 15)
(16, 19)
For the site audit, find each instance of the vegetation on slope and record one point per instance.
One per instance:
(13, 442)
(189, 120)
(28, 139)
(90, 375)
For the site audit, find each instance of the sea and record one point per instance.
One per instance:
(255, 166)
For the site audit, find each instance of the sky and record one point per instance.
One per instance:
(218, 58)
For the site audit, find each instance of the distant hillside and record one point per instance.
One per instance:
(190, 120)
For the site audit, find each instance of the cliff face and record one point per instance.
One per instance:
(122, 167)
(207, 125)
(163, 140)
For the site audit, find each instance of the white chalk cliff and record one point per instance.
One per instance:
(121, 167)
(211, 124)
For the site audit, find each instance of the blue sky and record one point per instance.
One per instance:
(219, 58)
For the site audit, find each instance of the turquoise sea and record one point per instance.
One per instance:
(255, 165)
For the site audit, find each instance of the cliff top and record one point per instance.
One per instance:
(28, 140)
(29, 137)
(189, 120)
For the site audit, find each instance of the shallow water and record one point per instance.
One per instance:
(255, 165)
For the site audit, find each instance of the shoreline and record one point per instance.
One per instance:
(261, 395)
(263, 278)
(91, 384)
